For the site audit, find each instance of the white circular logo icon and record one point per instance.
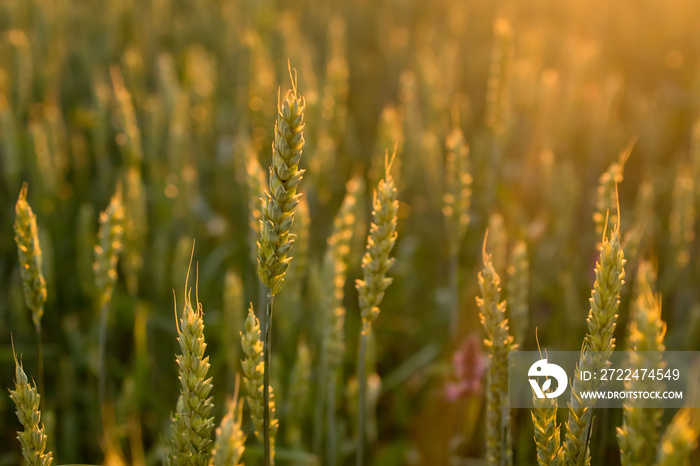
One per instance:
(542, 368)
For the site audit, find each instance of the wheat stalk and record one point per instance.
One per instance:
(597, 347)
(376, 262)
(497, 344)
(109, 246)
(334, 269)
(456, 202)
(30, 261)
(278, 208)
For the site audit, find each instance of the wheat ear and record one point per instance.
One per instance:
(298, 396)
(27, 400)
(335, 268)
(679, 441)
(33, 282)
(278, 208)
(518, 286)
(29, 250)
(597, 347)
(230, 439)
(279, 204)
(547, 431)
(192, 424)
(497, 344)
(605, 213)
(456, 202)
(109, 246)
(253, 375)
(639, 434)
(682, 216)
(375, 264)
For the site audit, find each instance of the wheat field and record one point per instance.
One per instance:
(310, 233)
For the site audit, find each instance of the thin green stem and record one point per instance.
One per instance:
(267, 352)
(102, 344)
(318, 415)
(361, 408)
(332, 432)
(40, 357)
(454, 287)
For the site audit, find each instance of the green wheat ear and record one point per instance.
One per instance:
(280, 203)
(230, 439)
(376, 261)
(33, 438)
(547, 431)
(598, 345)
(253, 379)
(497, 344)
(29, 251)
(192, 424)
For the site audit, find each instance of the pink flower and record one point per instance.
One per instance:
(468, 367)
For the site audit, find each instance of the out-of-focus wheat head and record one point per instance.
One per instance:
(230, 439)
(256, 179)
(679, 440)
(682, 216)
(518, 291)
(607, 191)
(109, 246)
(280, 203)
(335, 268)
(498, 92)
(29, 251)
(298, 396)
(253, 367)
(457, 196)
(639, 434)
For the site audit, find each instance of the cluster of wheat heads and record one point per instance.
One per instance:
(638, 437)
(497, 344)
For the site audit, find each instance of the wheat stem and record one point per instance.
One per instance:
(361, 409)
(266, 377)
(332, 428)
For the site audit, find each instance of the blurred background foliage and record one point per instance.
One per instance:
(176, 100)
